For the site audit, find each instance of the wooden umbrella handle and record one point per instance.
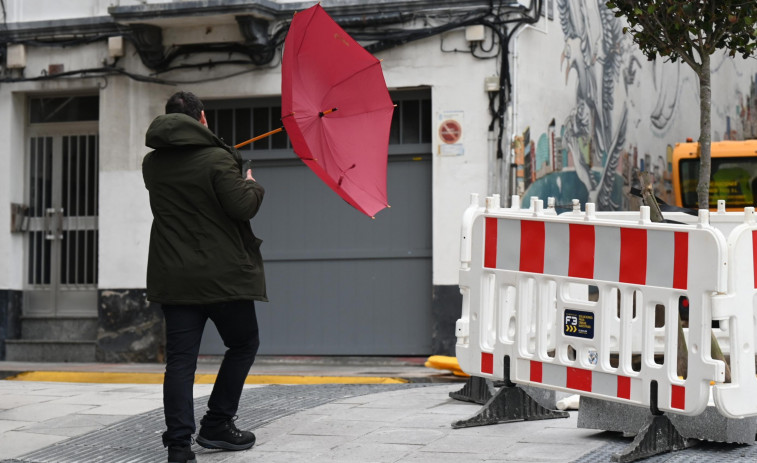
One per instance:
(259, 137)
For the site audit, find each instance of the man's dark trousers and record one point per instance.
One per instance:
(238, 326)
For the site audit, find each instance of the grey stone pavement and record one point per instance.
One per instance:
(45, 422)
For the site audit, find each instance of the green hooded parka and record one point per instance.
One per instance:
(202, 248)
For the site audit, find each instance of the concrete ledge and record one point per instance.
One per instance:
(10, 317)
(50, 351)
(59, 328)
(710, 425)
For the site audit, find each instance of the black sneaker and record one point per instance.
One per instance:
(225, 436)
(181, 454)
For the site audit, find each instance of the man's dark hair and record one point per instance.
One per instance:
(185, 103)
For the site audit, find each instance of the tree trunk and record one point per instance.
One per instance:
(705, 167)
(705, 133)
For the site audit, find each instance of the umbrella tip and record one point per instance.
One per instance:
(373, 217)
(389, 206)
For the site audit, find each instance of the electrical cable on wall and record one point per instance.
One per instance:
(381, 31)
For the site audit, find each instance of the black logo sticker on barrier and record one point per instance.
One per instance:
(579, 324)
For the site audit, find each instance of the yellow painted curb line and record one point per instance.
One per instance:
(157, 378)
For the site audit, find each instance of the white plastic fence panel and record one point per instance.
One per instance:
(722, 220)
(526, 280)
(737, 310)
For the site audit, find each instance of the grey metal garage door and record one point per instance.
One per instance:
(339, 282)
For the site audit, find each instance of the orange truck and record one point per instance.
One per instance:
(733, 176)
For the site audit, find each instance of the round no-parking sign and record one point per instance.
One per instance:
(450, 131)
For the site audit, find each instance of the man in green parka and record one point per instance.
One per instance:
(204, 263)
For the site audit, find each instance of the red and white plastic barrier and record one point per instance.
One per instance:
(736, 311)
(526, 278)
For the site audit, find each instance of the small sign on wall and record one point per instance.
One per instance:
(450, 133)
(19, 217)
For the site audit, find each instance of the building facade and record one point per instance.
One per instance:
(540, 97)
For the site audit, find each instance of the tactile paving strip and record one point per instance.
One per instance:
(138, 438)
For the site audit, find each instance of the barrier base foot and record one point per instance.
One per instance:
(658, 435)
(510, 403)
(476, 389)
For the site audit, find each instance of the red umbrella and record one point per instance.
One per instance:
(336, 109)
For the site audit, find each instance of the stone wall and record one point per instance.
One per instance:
(445, 311)
(10, 317)
(130, 329)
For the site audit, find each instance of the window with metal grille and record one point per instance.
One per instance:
(239, 120)
(64, 109)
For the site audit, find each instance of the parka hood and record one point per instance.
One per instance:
(176, 130)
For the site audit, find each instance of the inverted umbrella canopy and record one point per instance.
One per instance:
(336, 109)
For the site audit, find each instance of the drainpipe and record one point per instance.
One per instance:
(494, 165)
(507, 177)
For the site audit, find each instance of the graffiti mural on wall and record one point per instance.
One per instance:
(592, 137)
(592, 152)
(747, 113)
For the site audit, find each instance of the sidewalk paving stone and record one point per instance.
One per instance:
(42, 411)
(325, 425)
(72, 425)
(11, 425)
(124, 407)
(14, 399)
(16, 443)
